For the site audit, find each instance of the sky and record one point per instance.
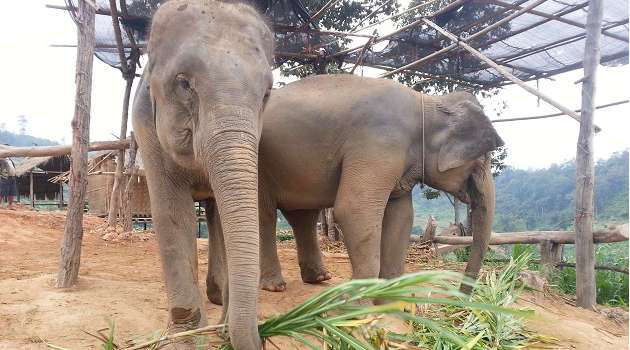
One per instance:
(39, 84)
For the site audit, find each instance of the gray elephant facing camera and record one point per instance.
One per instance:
(196, 116)
(360, 145)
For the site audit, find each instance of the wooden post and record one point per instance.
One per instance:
(61, 187)
(550, 255)
(456, 205)
(333, 231)
(70, 258)
(31, 190)
(429, 232)
(585, 290)
(126, 202)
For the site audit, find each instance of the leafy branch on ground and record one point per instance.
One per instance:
(440, 316)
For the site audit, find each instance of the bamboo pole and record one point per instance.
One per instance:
(585, 289)
(505, 73)
(62, 150)
(558, 114)
(424, 4)
(70, 257)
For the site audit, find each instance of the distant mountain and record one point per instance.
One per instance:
(7, 137)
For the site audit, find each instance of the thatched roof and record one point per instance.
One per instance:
(45, 164)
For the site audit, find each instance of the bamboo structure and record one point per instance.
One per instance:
(505, 73)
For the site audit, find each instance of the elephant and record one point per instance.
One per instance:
(196, 117)
(359, 145)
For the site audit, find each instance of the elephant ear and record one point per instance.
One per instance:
(470, 135)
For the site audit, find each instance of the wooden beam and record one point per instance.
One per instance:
(61, 150)
(608, 235)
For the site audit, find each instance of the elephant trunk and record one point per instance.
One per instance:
(232, 153)
(482, 195)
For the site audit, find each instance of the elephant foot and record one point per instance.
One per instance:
(187, 343)
(315, 274)
(186, 320)
(273, 282)
(214, 294)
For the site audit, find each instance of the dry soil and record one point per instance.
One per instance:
(121, 281)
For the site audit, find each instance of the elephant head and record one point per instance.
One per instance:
(459, 162)
(199, 107)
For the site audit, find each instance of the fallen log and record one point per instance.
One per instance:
(607, 235)
(55, 151)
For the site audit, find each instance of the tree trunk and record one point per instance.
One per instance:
(70, 259)
(585, 290)
(117, 192)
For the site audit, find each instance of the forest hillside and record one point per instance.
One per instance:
(543, 199)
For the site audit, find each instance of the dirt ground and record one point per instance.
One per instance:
(120, 280)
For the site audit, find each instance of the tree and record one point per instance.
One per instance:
(22, 122)
(342, 17)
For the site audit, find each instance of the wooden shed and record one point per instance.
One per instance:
(101, 171)
(35, 178)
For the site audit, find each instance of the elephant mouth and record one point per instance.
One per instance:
(466, 191)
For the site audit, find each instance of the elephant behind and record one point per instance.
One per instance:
(360, 145)
(196, 116)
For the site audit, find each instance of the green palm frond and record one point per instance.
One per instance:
(345, 317)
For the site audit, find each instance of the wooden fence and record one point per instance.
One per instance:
(551, 242)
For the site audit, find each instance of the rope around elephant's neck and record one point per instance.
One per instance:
(422, 107)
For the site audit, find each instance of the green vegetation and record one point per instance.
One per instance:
(487, 329)
(612, 287)
(542, 199)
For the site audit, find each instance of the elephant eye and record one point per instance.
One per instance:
(183, 87)
(266, 97)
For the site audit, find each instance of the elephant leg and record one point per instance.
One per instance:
(174, 220)
(304, 224)
(270, 271)
(216, 262)
(397, 224)
(359, 213)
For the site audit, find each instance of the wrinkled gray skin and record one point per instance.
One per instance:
(196, 116)
(356, 144)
